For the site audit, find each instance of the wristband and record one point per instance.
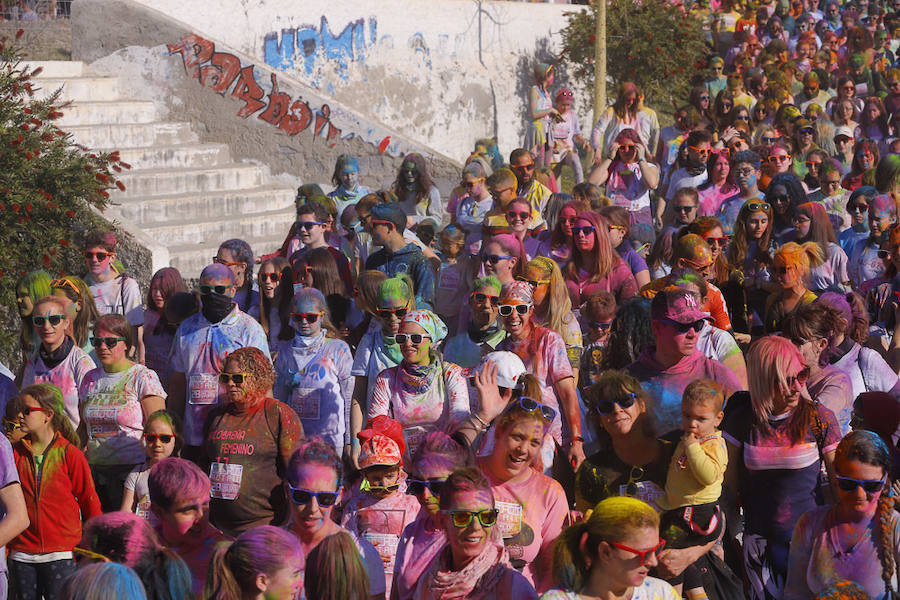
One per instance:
(483, 424)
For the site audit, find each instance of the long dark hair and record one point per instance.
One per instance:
(283, 292)
(423, 182)
(630, 333)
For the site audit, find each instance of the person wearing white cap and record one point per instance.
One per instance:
(843, 143)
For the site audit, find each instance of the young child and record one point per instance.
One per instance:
(597, 315)
(452, 288)
(694, 480)
(566, 136)
(179, 498)
(11, 426)
(161, 440)
(59, 492)
(379, 509)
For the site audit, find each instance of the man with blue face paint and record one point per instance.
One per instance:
(202, 343)
(347, 190)
(745, 170)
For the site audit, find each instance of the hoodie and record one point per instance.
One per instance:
(411, 261)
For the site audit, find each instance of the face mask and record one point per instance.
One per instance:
(216, 306)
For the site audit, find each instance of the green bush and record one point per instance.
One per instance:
(48, 188)
(652, 43)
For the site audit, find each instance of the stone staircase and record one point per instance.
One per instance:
(182, 197)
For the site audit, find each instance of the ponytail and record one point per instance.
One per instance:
(220, 581)
(235, 566)
(570, 567)
(885, 543)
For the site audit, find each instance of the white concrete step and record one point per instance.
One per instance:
(220, 226)
(84, 89)
(56, 68)
(191, 207)
(176, 156)
(132, 135)
(190, 259)
(152, 182)
(117, 111)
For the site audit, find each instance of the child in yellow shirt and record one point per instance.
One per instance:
(694, 480)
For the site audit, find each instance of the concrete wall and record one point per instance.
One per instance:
(444, 72)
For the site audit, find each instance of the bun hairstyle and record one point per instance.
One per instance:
(235, 565)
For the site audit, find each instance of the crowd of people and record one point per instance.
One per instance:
(681, 380)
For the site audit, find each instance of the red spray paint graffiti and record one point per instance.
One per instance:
(218, 71)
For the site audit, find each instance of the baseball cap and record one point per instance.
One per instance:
(675, 304)
(843, 130)
(390, 212)
(509, 368)
(379, 451)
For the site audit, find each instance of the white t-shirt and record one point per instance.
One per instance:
(120, 295)
(651, 589)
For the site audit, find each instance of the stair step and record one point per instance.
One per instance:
(56, 68)
(189, 207)
(190, 259)
(221, 226)
(85, 89)
(152, 182)
(176, 156)
(132, 135)
(118, 111)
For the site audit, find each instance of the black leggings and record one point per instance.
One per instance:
(31, 581)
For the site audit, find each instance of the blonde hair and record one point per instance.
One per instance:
(802, 257)
(558, 303)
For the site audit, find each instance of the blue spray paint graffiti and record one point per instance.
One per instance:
(308, 43)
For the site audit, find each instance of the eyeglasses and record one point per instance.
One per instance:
(471, 184)
(635, 475)
(237, 378)
(386, 313)
(768, 140)
(10, 425)
(273, 277)
(800, 378)
(308, 225)
(507, 309)
(302, 497)
(643, 555)
(415, 338)
(684, 208)
(528, 167)
(626, 147)
(495, 193)
(603, 325)
(763, 206)
(742, 118)
(744, 172)
(701, 151)
(721, 242)
(162, 437)
(495, 258)
(30, 409)
(585, 230)
(704, 97)
(685, 327)
(481, 298)
(533, 406)
(100, 256)
(534, 283)
(858, 208)
(779, 158)
(305, 317)
(463, 518)
(108, 342)
(606, 405)
(365, 486)
(207, 290)
(568, 220)
(807, 131)
(415, 487)
(65, 283)
(869, 486)
(222, 261)
(522, 216)
(813, 163)
(54, 320)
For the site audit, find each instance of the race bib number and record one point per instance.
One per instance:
(144, 512)
(386, 545)
(204, 388)
(225, 480)
(306, 402)
(647, 491)
(382, 529)
(414, 436)
(510, 518)
(101, 419)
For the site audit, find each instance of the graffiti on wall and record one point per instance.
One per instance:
(307, 43)
(222, 71)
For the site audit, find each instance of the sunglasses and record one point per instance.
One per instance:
(415, 487)
(162, 437)
(100, 256)
(763, 206)
(522, 216)
(507, 309)
(812, 163)
(528, 167)
(533, 406)
(302, 497)
(782, 270)
(494, 258)
(568, 220)
(700, 151)
(704, 97)
(53, 319)
(685, 327)
(463, 518)
(534, 283)
(308, 225)
(415, 338)
(602, 325)
(208, 290)
(802, 377)
(721, 242)
(65, 283)
(237, 378)
(273, 277)
(9, 425)
(107, 342)
(30, 409)
(386, 313)
(884, 254)
(807, 131)
(858, 208)
(606, 405)
(497, 193)
(684, 209)
(365, 486)
(626, 147)
(586, 230)
(305, 317)
(768, 140)
(222, 261)
(643, 555)
(742, 118)
(779, 158)
(482, 298)
(869, 486)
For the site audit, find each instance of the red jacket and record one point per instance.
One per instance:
(57, 502)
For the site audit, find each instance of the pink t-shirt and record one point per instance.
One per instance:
(532, 515)
(418, 546)
(67, 376)
(620, 281)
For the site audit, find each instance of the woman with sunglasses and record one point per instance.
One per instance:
(857, 241)
(595, 264)
(57, 360)
(82, 310)
(503, 256)
(812, 224)
(618, 225)
(558, 244)
(474, 563)
(779, 160)
(115, 400)
(275, 280)
(751, 250)
(438, 456)
(313, 371)
(317, 269)
(158, 332)
(59, 494)
(862, 170)
(518, 215)
(722, 108)
(248, 441)
(544, 353)
(29, 289)
(777, 440)
(628, 175)
(856, 538)
(791, 267)
(532, 506)
(423, 393)
(313, 481)
(785, 193)
(418, 196)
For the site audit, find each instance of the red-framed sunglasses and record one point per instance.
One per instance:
(644, 555)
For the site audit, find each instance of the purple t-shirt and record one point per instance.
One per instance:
(634, 260)
(8, 476)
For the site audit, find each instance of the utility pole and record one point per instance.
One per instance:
(600, 60)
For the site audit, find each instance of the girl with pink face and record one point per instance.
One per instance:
(719, 186)
(595, 264)
(558, 245)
